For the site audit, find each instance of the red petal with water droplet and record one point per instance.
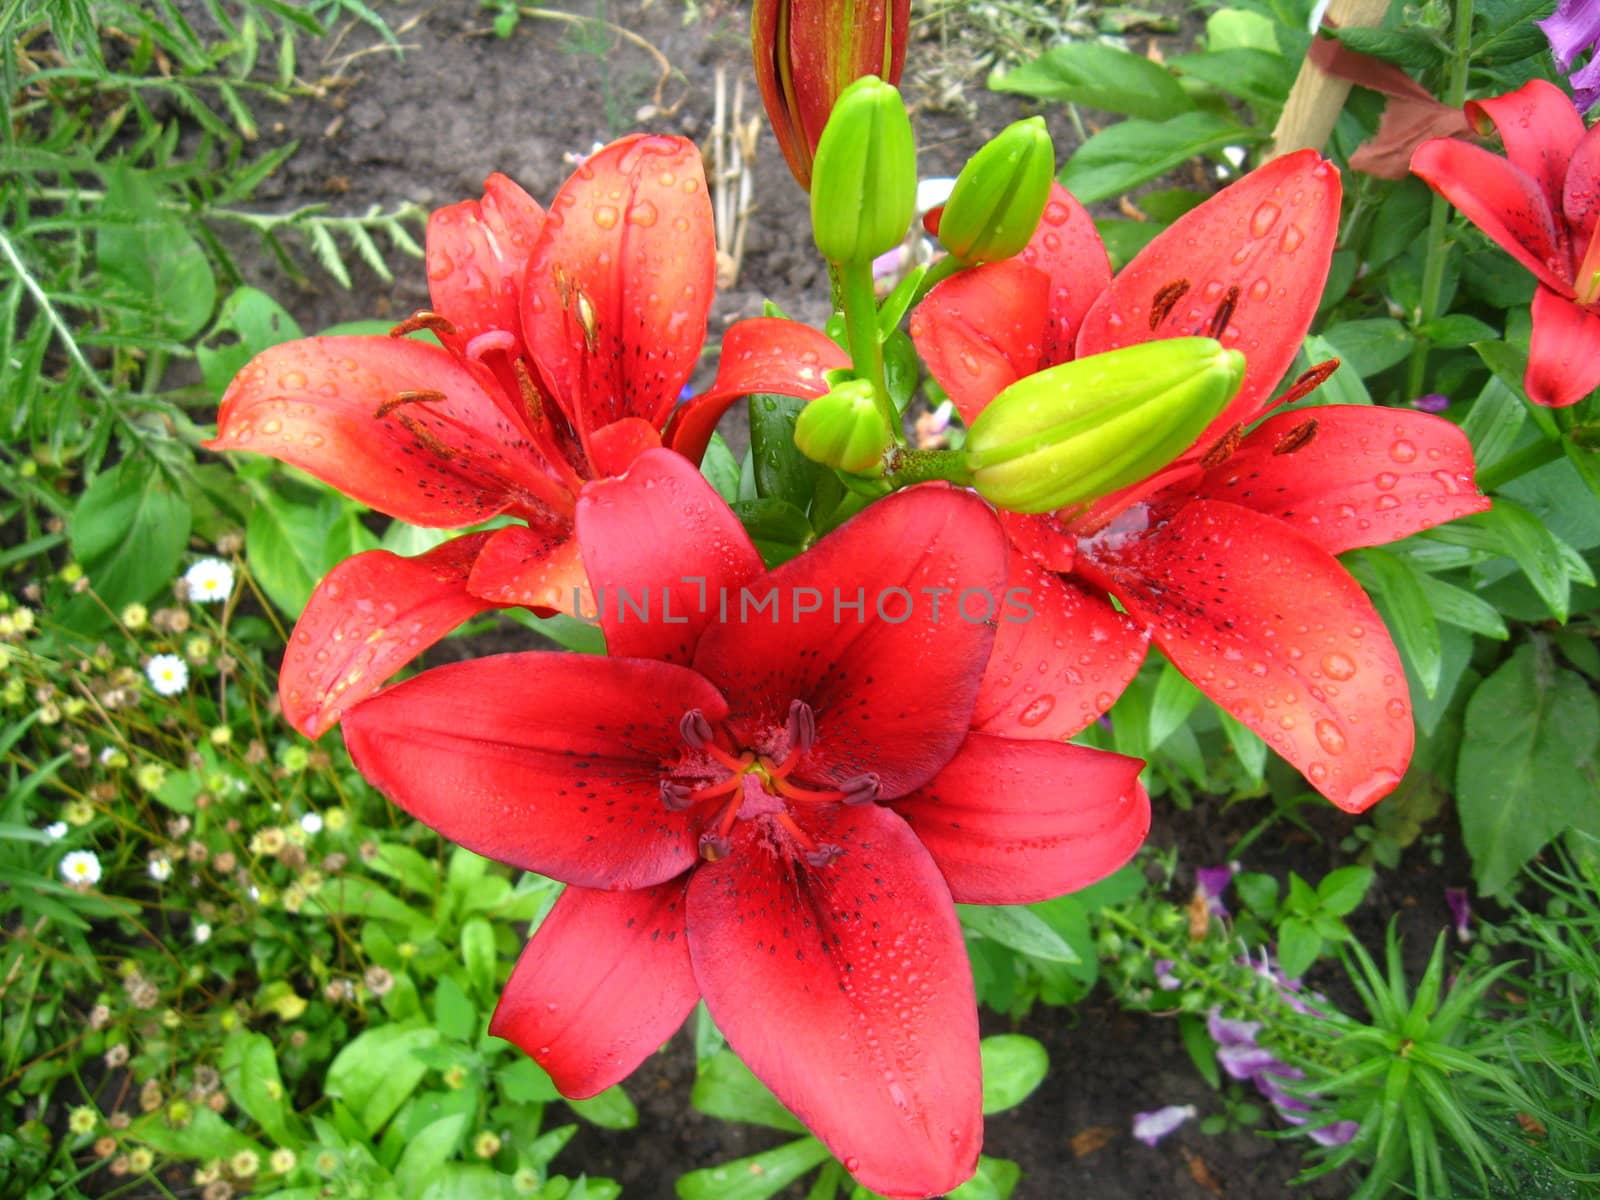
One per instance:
(532, 568)
(548, 762)
(316, 404)
(1540, 127)
(1067, 248)
(1580, 192)
(477, 257)
(1061, 657)
(662, 550)
(621, 282)
(1502, 200)
(846, 989)
(1366, 477)
(613, 448)
(762, 354)
(982, 330)
(1564, 355)
(1012, 822)
(604, 982)
(1271, 627)
(1270, 236)
(370, 615)
(892, 695)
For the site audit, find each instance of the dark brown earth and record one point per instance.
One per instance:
(427, 127)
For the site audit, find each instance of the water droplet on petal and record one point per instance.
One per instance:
(1403, 451)
(1264, 218)
(1293, 235)
(1037, 711)
(1330, 737)
(605, 216)
(1338, 666)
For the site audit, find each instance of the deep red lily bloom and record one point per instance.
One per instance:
(1540, 204)
(566, 338)
(772, 808)
(806, 52)
(1226, 557)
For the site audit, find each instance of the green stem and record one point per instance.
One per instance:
(935, 275)
(1514, 466)
(904, 467)
(1438, 214)
(860, 305)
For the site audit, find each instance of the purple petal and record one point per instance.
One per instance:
(1228, 1031)
(1336, 1134)
(1460, 911)
(1433, 402)
(1151, 1127)
(1571, 29)
(1165, 979)
(1248, 1062)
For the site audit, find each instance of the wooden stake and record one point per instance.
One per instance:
(1316, 99)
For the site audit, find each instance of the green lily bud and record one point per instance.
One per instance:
(864, 179)
(1000, 194)
(1082, 430)
(844, 429)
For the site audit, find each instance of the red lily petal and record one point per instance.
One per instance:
(1263, 244)
(370, 615)
(892, 693)
(1061, 665)
(1564, 357)
(548, 762)
(1540, 127)
(1012, 822)
(1501, 199)
(1271, 627)
(1041, 537)
(1580, 195)
(982, 330)
(1348, 476)
(614, 447)
(532, 568)
(478, 254)
(762, 354)
(846, 989)
(620, 285)
(328, 405)
(604, 982)
(662, 549)
(1067, 248)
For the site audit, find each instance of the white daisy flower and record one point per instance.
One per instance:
(81, 866)
(168, 674)
(161, 869)
(57, 830)
(210, 581)
(201, 933)
(311, 823)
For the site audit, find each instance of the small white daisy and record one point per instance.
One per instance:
(201, 933)
(311, 823)
(57, 830)
(161, 868)
(209, 581)
(81, 866)
(168, 674)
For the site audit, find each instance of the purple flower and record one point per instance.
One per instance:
(1151, 1127)
(1460, 911)
(1211, 882)
(1165, 979)
(1572, 29)
(1433, 402)
(1243, 1058)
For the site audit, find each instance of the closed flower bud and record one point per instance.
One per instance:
(1072, 433)
(1000, 194)
(864, 181)
(844, 429)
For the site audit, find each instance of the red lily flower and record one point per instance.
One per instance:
(1226, 557)
(1540, 204)
(566, 338)
(773, 808)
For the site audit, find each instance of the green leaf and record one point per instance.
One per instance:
(1248, 747)
(128, 531)
(453, 1011)
(478, 954)
(611, 1109)
(1525, 538)
(781, 471)
(1099, 76)
(1370, 346)
(1202, 1050)
(525, 1082)
(205, 1135)
(374, 1074)
(1019, 929)
(1342, 387)
(1258, 77)
(754, 1178)
(1132, 152)
(996, 1179)
(1527, 767)
(1461, 608)
(1013, 1066)
(426, 1152)
(353, 896)
(249, 1069)
(721, 468)
(1298, 946)
(1411, 47)
(291, 546)
(1411, 620)
(727, 1089)
(149, 259)
(1239, 29)
(249, 322)
(1175, 698)
(405, 865)
(1456, 330)
(1342, 890)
